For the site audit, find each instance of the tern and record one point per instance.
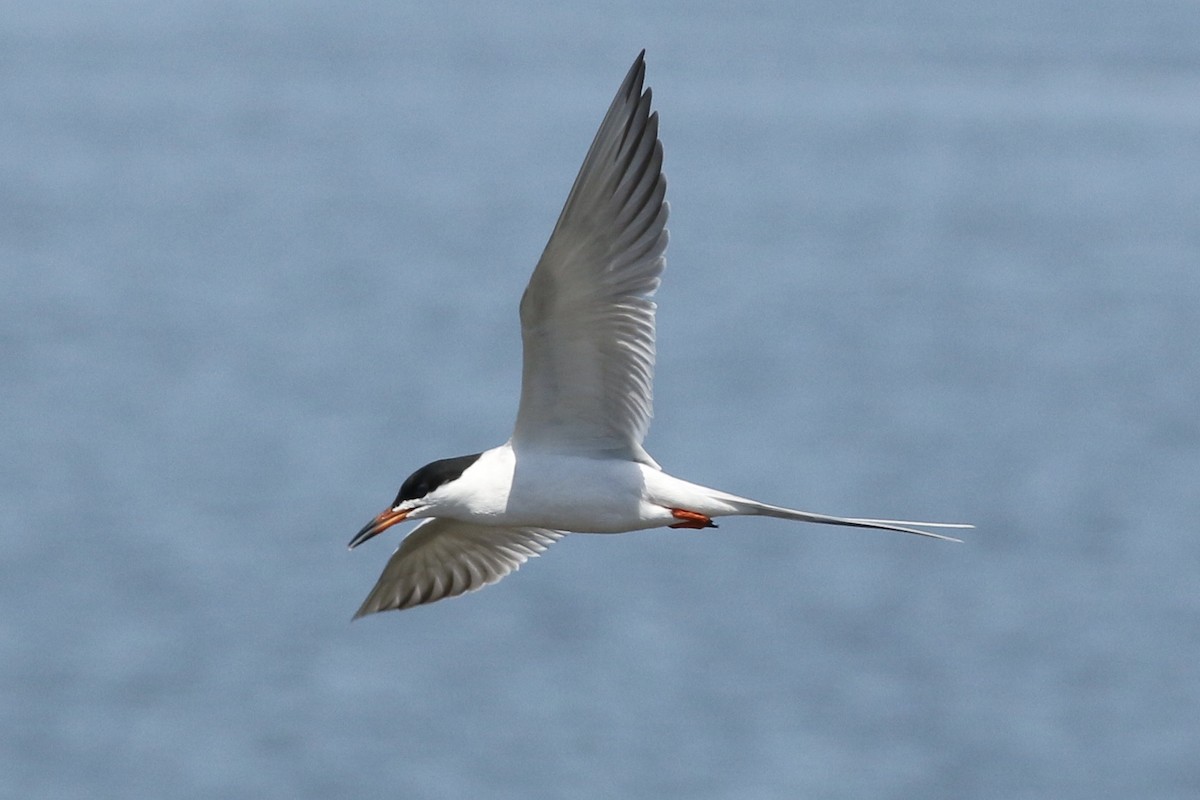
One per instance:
(575, 461)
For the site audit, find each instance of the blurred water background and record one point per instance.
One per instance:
(929, 260)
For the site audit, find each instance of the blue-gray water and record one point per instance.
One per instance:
(928, 260)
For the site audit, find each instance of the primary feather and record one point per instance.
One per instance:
(587, 318)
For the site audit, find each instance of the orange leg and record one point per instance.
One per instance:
(691, 519)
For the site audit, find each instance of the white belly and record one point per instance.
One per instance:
(585, 495)
(572, 493)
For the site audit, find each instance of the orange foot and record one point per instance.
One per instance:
(690, 519)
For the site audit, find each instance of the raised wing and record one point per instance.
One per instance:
(444, 558)
(587, 320)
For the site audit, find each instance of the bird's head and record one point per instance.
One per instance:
(417, 497)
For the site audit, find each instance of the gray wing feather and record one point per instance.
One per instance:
(445, 558)
(587, 318)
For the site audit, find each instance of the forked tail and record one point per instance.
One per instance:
(762, 509)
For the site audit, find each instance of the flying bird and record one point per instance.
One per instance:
(575, 461)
